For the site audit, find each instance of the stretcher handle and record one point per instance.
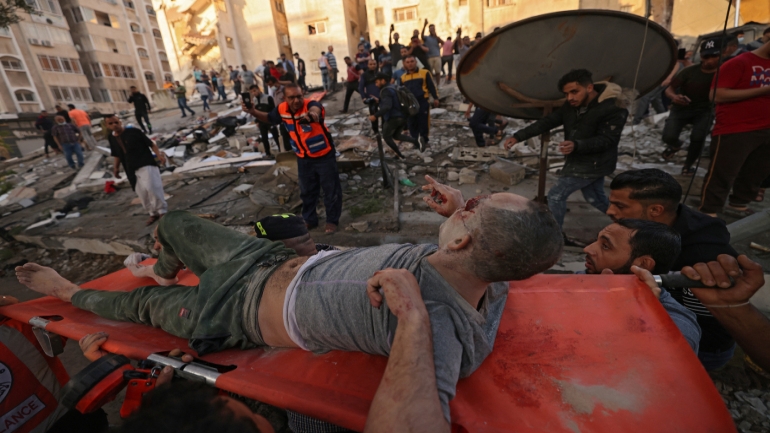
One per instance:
(678, 280)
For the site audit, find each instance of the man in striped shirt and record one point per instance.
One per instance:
(331, 60)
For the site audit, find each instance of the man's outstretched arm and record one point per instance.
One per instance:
(407, 398)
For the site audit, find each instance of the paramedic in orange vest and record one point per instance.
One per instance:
(316, 160)
(30, 382)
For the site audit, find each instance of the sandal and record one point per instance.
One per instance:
(760, 195)
(737, 212)
(687, 171)
(670, 153)
(331, 228)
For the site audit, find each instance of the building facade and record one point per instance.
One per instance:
(82, 52)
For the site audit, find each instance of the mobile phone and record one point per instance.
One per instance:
(246, 97)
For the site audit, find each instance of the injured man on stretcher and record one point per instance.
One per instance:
(255, 292)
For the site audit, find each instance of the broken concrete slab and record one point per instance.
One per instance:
(195, 166)
(91, 164)
(509, 173)
(18, 194)
(243, 189)
(478, 154)
(467, 176)
(360, 226)
(750, 226)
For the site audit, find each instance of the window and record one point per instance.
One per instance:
(105, 95)
(142, 53)
(11, 64)
(24, 96)
(36, 33)
(107, 70)
(71, 93)
(128, 4)
(50, 6)
(168, 77)
(318, 28)
(162, 56)
(150, 10)
(119, 95)
(379, 16)
(496, 3)
(279, 6)
(96, 70)
(285, 40)
(56, 64)
(406, 14)
(156, 33)
(149, 76)
(136, 28)
(229, 42)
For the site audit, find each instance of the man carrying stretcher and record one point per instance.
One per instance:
(254, 292)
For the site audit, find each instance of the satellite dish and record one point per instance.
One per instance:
(530, 56)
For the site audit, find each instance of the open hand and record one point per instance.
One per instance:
(401, 291)
(443, 199)
(747, 274)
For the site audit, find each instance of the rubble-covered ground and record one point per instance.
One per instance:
(63, 218)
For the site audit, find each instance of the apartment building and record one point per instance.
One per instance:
(471, 16)
(214, 34)
(40, 64)
(121, 46)
(316, 24)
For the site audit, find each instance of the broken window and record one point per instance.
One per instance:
(405, 14)
(317, 28)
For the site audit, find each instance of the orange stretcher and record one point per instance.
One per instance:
(573, 354)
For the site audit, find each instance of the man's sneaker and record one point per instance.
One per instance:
(422, 143)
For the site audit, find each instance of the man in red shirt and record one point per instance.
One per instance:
(740, 145)
(351, 84)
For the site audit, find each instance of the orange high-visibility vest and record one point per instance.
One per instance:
(307, 139)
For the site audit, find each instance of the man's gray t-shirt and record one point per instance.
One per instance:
(333, 311)
(248, 78)
(432, 43)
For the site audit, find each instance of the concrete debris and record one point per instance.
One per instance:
(243, 189)
(360, 226)
(467, 176)
(509, 173)
(453, 176)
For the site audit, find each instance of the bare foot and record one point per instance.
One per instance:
(46, 281)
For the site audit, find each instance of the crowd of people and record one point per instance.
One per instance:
(433, 309)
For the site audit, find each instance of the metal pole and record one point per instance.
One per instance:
(737, 13)
(544, 140)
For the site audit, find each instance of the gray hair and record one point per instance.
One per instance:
(515, 245)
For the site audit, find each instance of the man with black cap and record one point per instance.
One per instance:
(392, 116)
(691, 105)
(291, 230)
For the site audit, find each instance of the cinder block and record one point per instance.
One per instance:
(508, 173)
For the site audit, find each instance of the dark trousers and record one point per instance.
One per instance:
(205, 99)
(350, 88)
(643, 103)
(592, 189)
(393, 128)
(264, 129)
(49, 142)
(482, 122)
(182, 102)
(316, 174)
(237, 89)
(419, 124)
(701, 124)
(373, 107)
(143, 115)
(301, 82)
(222, 94)
(447, 60)
(740, 161)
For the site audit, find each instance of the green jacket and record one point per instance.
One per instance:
(180, 92)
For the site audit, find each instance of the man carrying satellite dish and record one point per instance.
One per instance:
(593, 122)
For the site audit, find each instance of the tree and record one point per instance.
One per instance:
(9, 9)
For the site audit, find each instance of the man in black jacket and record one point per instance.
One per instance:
(142, 108)
(654, 195)
(592, 123)
(134, 150)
